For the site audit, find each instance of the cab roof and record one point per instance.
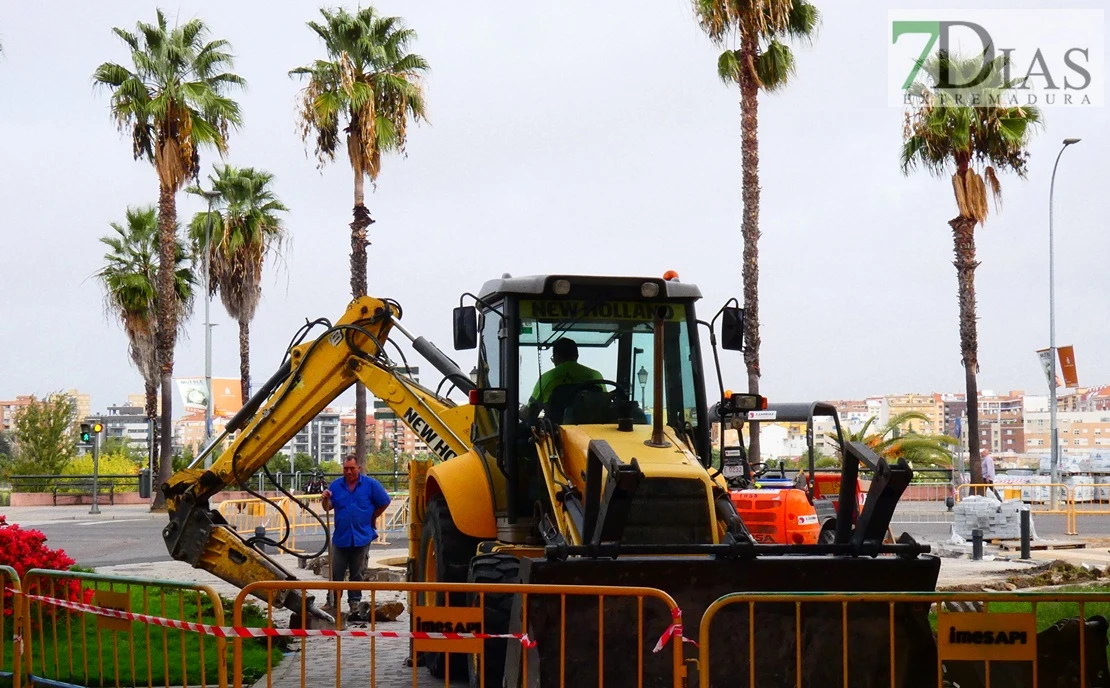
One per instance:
(532, 285)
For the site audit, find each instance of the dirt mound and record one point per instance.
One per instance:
(1057, 572)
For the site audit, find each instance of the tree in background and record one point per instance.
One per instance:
(372, 84)
(244, 228)
(129, 278)
(44, 436)
(760, 60)
(895, 441)
(970, 144)
(172, 102)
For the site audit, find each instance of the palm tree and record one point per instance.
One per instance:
(129, 276)
(971, 143)
(171, 103)
(761, 60)
(373, 84)
(245, 227)
(893, 441)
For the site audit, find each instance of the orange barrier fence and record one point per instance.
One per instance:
(1004, 640)
(61, 645)
(568, 629)
(11, 621)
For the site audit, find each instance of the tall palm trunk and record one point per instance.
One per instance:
(963, 235)
(166, 302)
(749, 153)
(358, 288)
(245, 358)
(152, 417)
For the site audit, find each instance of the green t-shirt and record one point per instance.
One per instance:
(566, 373)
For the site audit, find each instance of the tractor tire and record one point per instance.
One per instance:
(828, 534)
(451, 551)
(497, 610)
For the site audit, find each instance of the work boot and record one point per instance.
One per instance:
(353, 612)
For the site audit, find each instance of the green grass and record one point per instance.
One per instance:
(1048, 613)
(69, 646)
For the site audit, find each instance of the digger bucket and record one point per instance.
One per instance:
(604, 644)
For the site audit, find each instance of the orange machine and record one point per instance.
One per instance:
(778, 516)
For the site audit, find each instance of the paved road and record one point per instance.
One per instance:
(118, 535)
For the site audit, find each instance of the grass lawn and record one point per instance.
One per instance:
(74, 648)
(1048, 613)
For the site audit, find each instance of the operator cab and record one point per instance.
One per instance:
(517, 324)
(609, 324)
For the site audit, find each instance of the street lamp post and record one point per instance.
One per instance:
(642, 376)
(1055, 449)
(210, 196)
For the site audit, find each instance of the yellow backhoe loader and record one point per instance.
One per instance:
(555, 475)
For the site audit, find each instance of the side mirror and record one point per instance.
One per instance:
(465, 327)
(732, 328)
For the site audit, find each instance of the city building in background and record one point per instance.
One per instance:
(125, 422)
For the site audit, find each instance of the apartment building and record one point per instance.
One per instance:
(321, 438)
(1078, 431)
(925, 404)
(10, 409)
(125, 422)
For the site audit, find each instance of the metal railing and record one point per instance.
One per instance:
(888, 640)
(75, 647)
(575, 626)
(74, 484)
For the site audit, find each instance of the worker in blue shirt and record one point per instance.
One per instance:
(358, 501)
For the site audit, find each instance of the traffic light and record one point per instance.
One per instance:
(97, 428)
(86, 433)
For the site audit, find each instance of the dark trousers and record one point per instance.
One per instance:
(349, 562)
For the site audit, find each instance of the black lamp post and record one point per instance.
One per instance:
(642, 376)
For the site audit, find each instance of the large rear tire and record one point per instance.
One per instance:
(445, 555)
(492, 569)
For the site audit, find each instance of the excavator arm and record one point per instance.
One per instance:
(312, 376)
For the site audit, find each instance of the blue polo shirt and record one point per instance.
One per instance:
(354, 510)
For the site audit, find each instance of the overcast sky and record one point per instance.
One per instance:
(573, 137)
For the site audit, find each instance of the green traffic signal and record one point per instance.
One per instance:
(86, 432)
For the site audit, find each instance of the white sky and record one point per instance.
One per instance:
(572, 137)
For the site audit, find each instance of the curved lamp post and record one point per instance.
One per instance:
(1055, 448)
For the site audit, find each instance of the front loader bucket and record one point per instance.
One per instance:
(695, 582)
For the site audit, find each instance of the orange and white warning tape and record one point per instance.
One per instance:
(269, 631)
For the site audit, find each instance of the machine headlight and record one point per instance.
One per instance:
(649, 290)
(561, 287)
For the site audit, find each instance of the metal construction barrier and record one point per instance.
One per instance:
(65, 645)
(1089, 499)
(586, 635)
(1005, 640)
(11, 620)
(1038, 496)
(245, 515)
(925, 502)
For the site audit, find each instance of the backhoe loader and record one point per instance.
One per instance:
(550, 478)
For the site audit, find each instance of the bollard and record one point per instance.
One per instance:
(1025, 533)
(260, 532)
(949, 502)
(977, 544)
